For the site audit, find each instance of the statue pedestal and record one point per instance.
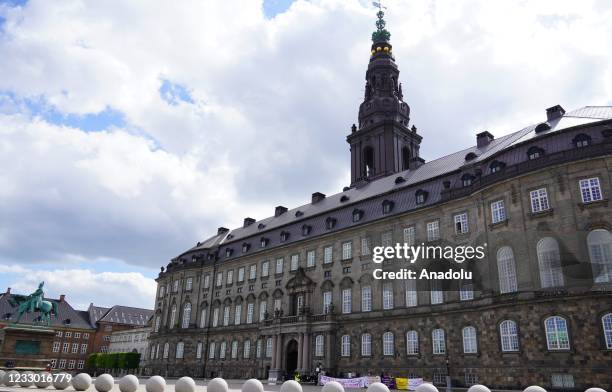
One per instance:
(25, 347)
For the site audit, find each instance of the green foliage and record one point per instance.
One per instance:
(132, 360)
(92, 361)
(113, 361)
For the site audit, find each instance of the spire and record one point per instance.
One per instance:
(381, 34)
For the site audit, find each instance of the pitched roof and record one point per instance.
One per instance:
(127, 315)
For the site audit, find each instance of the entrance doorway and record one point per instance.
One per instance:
(292, 357)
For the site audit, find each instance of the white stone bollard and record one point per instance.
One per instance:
(252, 385)
(534, 388)
(10, 378)
(155, 384)
(128, 383)
(595, 390)
(378, 387)
(44, 380)
(27, 379)
(332, 386)
(81, 382)
(217, 385)
(104, 382)
(2, 373)
(291, 386)
(478, 388)
(61, 380)
(426, 387)
(185, 384)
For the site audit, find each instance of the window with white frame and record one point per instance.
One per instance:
(279, 265)
(346, 346)
(509, 336)
(203, 318)
(386, 238)
(470, 345)
(85, 336)
(506, 269)
(66, 347)
(189, 284)
(219, 279)
(311, 258)
(437, 295)
(300, 303)
(319, 345)
(606, 323)
(365, 246)
(461, 223)
(75, 348)
(71, 364)
(433, 230)
(599, 242)
(212, 350)
(366, 345)
(539, 200)
(412, 342)
(498, 211)
(258, 348)
(250, 311)
(222, 349)
(295, 262)
(77, 335)
(253, 272)
(80, 364)
(439, 344)
(590, 190)
(206, 281)
(388, 343)
(226, 315)
(230, 276)
(263, 308)
(180, 347)
(62, 364)
(328, 254)
(56, 347)
(186, 315)
(557, 335)
(246, 351)
(215, 320)
(269, 348)
(234, 349)
(346, 301)
(166, 350)
(466, 291)
(562, 381)
(241, 274)
(411, 293)
(347, 250)
(366, 298)
(237, 314)
(199, 350)
(549, 261)
(54, 363)
(327, 301)
(410, 235)
(387, 295)
(265, 268)
(83, 348)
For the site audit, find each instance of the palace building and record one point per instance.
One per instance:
(296, 291)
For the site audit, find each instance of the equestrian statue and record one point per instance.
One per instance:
(34, 302)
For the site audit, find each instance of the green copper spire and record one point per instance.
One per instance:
(381, 34)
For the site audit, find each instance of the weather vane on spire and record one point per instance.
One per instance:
(381, 34)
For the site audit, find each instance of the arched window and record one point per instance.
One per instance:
(237, 314)
(246, 352)
(186, 315)
(203, 318)
(506, 268)
(172, 316)
(211, 350)
(497, 166)
(234, 349)
(388, 343)
(412, 342)
(166, 350)
(368, 161)
(366, 345)
(549, 260)
(606, 322)
(581, 140)
(222, 349)
(470, 345)
(387, 295)
(509, 336)
(535, 153)
(467, 180)
(599, 242)
(346, 346)
(557, 336)
(438, 342)
(157, 323)
(180, 348)
(405, 158)
(319, 345)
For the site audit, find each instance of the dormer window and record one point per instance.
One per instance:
(542, 127)
(535, 153)
(421, 196)
(261, 226)
(357, 215)
(228, 252)
(306, 229)
(467, 179)
(284, 236)
(298, 213)
(399, 180)
(497, 166)
(230, 236)
(387, 206)
(344, 198)
(245, 247)
(330, 223)
(582, 140)
(210, 256)
(263, 242)
(469, 156)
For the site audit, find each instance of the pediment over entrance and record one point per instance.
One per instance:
(300, 281)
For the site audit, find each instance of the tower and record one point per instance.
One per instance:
(382, 143)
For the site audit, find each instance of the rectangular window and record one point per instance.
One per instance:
(199, 350)
(265, 268)
(278, 303)
(269, 348)
(388, 295)
(246, 352)
(263, 308)
(206, 281)
(279, 265)
(327, 301)
(498, 211)
(241, 274)
(219, 279)
(466, 292)
(433, 230)
(258, 349)
(68, 334)
(409, 235)
(366, 299)
(539, 200)
(461, 223)
(65, 347)
(437, 295)
(211, 350)
(71, 364)
(230, 277)
(215, 320)
(54, 363)
(386, 238)
(77, 335)
(81, 364)
(237, 314)
(83, 348)
(295, 262)
(250, 311)
(346, 301)
(175, 287)
(347, 250)
(62, 364)
(189, 284)
(59, 334)
(222, 349)
(56, 347)
(234, 349)
(365, 246)
(85, 336)
(75, 348)
(328, 254)
(311, 258)
(226, 315)
(562, 380)
(411, 293)
(590, 190)
(253, 272)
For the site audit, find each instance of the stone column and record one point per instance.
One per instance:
(273, 364)
(306, 352)
(328, 350)
(300, 351)
(279, 345)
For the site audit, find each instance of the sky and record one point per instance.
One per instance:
(130, 130)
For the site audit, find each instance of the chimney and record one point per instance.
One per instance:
(483, 139)
(222, 230)
(8, 291)
(415, 163)
(317, 197)
(63, 298)
(280, 210)
(554, 112)
(248, 222)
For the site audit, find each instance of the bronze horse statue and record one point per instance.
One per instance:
(34, 303)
